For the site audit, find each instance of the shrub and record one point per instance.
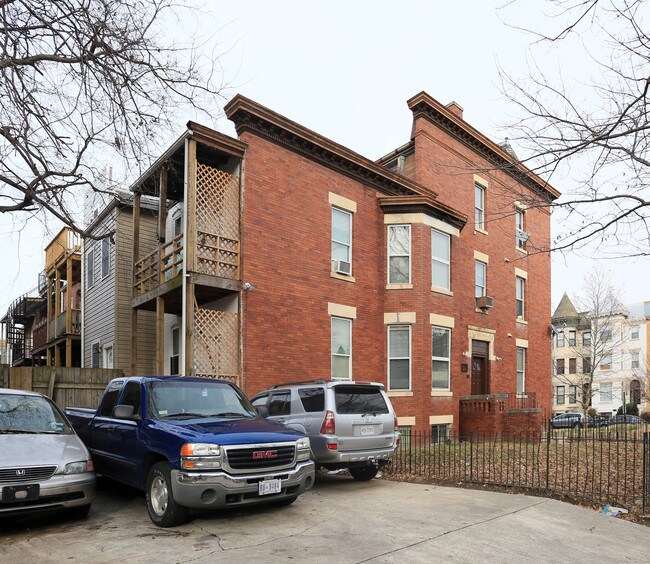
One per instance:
(630, 409)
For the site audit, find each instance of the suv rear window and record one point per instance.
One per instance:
(313, 399)
(358, 399)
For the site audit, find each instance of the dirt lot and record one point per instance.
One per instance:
(340, 520)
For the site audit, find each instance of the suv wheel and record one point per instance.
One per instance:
(364, 473)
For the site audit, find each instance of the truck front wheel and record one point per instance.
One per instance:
(163, 509)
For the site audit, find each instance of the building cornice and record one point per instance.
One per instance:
(424, 106)
(423, 204)
(249, 116)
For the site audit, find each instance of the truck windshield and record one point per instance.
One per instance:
(177, 399)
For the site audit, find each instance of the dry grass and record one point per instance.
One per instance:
(592, 467)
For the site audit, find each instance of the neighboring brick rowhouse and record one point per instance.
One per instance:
(293, 178)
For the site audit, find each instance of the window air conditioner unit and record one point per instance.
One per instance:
(523, 236)
(484, 302)
(342, 267)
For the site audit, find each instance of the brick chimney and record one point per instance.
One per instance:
(455, 108)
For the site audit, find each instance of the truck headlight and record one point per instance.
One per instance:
(78, 467)
(200, 456)
(303, 449)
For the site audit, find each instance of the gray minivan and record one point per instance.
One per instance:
(350, 424)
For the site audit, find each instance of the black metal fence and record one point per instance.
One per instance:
(602, 465)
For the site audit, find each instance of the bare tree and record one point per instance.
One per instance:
(83, 82)
(592, 338)
(601, 128)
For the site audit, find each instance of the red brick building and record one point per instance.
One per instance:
(417, 270)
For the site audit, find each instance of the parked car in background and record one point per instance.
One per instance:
(43, 463)
(623, 420)
(568, 421)
(350, 424)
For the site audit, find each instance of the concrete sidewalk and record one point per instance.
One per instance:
(340, 520)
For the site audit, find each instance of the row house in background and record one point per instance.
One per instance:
(44, 326)
(600, 361)
(285, 256)
(107, 284)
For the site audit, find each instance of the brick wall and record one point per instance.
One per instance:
(286, 251)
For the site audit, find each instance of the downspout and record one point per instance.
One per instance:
(83, 302)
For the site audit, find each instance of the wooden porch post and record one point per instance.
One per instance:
(162, 204)
(55, 319)
(136, 257)
(160, 335)
(190, 257)
(68, 296)
(48, 317)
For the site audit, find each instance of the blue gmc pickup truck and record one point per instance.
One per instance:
(192, 443)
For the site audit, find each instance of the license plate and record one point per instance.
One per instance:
(270, 487)
(367, 430)
(13, 494)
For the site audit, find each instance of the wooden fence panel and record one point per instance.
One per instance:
(78, 387)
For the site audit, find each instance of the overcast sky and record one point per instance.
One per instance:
(346, 69)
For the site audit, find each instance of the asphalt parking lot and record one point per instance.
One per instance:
(339, 520)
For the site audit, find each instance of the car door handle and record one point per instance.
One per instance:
(281, 420)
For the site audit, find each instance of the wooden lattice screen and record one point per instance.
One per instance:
(216, 344)
(217, 222)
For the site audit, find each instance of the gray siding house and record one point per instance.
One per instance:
(108, 287)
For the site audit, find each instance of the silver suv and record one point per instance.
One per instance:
(350, 424)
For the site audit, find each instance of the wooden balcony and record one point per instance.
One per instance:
(59, 325)
(67, 242)
(209, 253)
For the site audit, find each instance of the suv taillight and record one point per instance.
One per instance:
(395, 424)
(328, 427)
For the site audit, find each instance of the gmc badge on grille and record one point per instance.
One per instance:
(260, 454)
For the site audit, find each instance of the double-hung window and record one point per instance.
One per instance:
(634, 332)
(606, 333)
(559, 366)
(573, 365)
(106, 252)
(560, 339)
(95, 356)
(481, 278)
(341, 348)
(635, 360)
(342, 239)
(606, 392)
(440, 358)
(521, 370)
(606, 362)
(520, 295)
(559, 395)
(440, 259)
(586, 338)
(573, 392)
(479, 206)
(90, 267)
(399, 357)
(572, 338)
(399, 254)
(522, 237)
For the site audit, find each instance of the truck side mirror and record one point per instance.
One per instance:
(125, 412)
(262, 410)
